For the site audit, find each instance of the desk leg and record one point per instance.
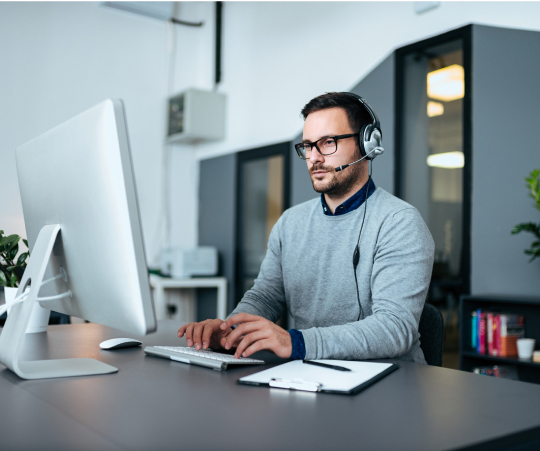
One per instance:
(222, 300)
(159, 302)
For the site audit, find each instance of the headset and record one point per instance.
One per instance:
(370, 135)
(370, 140)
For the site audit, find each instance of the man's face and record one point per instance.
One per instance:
(332, 122)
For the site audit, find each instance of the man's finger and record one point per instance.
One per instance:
(189, 334)
(208, 331)
(197, 334)
(182, 331)
(248, 340)
(257, 346)
(240, 318)
(242, 329)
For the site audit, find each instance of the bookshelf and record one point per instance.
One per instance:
(528, 371)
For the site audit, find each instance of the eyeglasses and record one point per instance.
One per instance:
(325, 146)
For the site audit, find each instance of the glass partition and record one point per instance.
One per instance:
(432, 159)
(432, 148)
(263, 196)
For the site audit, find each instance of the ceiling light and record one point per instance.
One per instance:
(447, 83)
(435, 109)
(447, 160)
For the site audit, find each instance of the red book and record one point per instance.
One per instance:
(482, 332)
(496, 335)
(489, 333)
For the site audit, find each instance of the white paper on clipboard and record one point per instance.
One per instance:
(328, 379)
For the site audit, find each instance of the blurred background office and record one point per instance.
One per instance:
(459, 106)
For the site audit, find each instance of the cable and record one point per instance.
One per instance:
(66, 294)
(356, 254)
(162, 233)
(23, 296)
(45, 282)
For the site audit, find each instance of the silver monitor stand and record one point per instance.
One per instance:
(14, 331)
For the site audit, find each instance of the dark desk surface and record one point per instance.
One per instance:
(153, 403)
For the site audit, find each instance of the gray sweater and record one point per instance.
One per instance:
(308, 270)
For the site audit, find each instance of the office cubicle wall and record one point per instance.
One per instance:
(378, 89)
(506, 147)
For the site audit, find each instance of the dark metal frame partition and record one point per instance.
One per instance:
(465, 34)
(284, 149)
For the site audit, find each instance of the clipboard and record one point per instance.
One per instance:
(296, 375)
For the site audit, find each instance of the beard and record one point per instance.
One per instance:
(336, 186)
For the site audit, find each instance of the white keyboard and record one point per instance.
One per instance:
(208, 358)
(208, 354)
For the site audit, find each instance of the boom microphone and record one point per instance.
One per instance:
(377, 150)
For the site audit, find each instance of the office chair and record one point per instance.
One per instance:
(431, 330)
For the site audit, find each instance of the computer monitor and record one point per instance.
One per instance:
(82, 222)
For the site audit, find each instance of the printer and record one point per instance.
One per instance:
(181, 263)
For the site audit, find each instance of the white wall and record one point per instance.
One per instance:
(277, 56)
(58, 59)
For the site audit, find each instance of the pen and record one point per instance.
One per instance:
(325, 365)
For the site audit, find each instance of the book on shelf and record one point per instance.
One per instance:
(501, 371)
(496, 334)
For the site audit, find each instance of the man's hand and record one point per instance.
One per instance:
(204, 334)
(255, 334)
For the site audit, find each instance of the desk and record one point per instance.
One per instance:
(160, 284)
(153, 403)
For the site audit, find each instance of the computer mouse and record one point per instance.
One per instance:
(117, 343)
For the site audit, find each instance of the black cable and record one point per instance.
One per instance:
(356, 254)
(185, 22)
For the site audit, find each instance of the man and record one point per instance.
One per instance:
(341, 311)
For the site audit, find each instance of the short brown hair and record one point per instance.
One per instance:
(356, 112)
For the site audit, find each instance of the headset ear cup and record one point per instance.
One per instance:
(369, 142)
(362, 138)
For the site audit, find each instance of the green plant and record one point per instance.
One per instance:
(533, 185)
(11, 271)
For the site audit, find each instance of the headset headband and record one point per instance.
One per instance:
(374, 118)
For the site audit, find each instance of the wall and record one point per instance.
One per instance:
(506, 137)
(270, 56)
(59, 59)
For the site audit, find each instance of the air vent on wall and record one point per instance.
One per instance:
(195, 116)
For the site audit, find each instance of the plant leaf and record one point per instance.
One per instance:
(22, 259)
(6, 242)
(3, 280)
(526, 227)
(12, 253)
(26, 243)
(13, 280)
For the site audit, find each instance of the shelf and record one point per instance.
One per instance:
(506, 360)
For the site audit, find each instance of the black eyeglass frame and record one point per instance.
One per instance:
(336, 138)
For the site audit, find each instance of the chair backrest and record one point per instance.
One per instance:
(431, 330)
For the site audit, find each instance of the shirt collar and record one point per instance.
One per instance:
(353, 202)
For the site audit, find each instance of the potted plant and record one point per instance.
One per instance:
(11, 272)
(533, 185)
(11, 267)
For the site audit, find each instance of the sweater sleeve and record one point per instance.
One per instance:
(267, 297)
(402, 265)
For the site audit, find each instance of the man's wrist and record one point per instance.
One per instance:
(298, 345)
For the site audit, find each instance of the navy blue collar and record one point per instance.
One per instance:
(352, 203)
